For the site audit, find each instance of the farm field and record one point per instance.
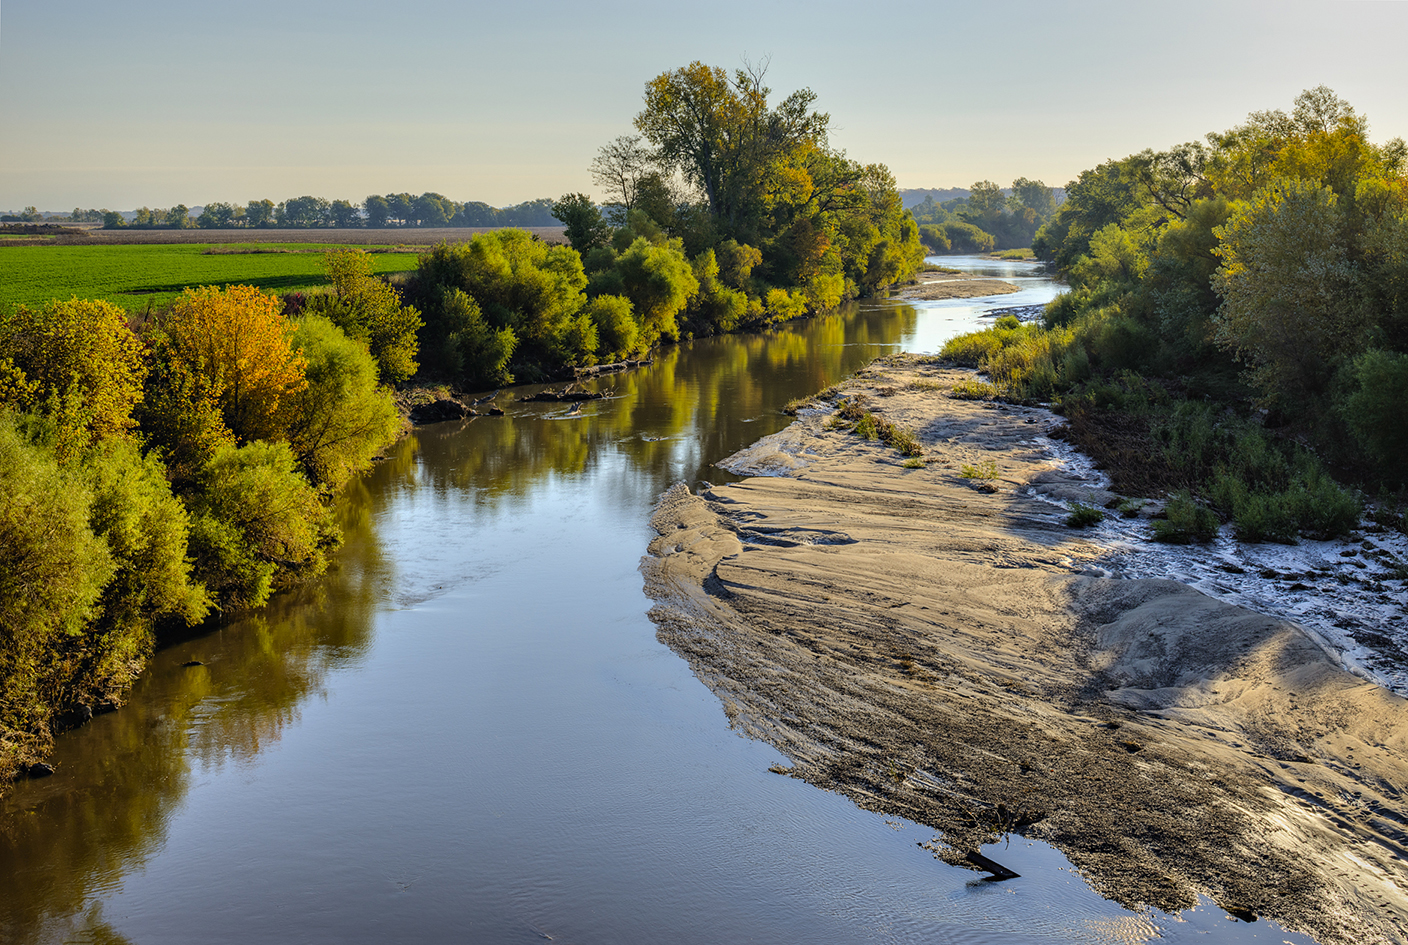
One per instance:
(135, 276)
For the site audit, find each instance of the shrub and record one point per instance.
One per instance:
(1186, 521)
(370, 311)
(1374, 411)
(972, 389)
(77, 361)
(1084, 516)
(616, 329)
(342, 418)
(985, 471)
(51, 584)
(257, 524)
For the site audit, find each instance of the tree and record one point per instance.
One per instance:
(474, 352)
(370, 311)
(216, 215)
(237, 345)
(580, 216)
(619, 167)
(344, 214)
(659, 281)
(1035, 196)
(54, 573)
(1291, 295)
(518, 282)
(76, 361)
(341, 418)
(721, 135)
(259, 213)
(378, 210)
(257, 525)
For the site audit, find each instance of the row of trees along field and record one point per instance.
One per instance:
(987, 219)
(1237, 323)
(153, 474)
(390, 210)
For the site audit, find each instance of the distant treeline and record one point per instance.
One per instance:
(987, 218)
(389, 210)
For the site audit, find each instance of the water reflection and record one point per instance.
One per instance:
(466, 730)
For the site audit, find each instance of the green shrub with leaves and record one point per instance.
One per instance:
(257, 525)
(342, 418)
(51, 589)
(1187, 521)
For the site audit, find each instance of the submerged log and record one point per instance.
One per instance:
(440, 410)
(998, 871)
(614, 367)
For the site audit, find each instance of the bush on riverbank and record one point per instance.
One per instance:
(1235, 324)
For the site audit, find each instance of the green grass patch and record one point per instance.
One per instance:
(135, 276)
(1015, 254)
(870, 426)
(914, 462)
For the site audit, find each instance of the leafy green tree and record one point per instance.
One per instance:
(582, 219)
(473, 351)
(659, 281)
(716, 308)
(259, 213)
(179, 217)
(217, 215)
(256, 524)
(1035, 196)
(344, 214)
(618, 335)
(518, 282)
(720, 134)
(342, 418)
(146, 530)
(370, 311)
(1291, 295)
(378, 210)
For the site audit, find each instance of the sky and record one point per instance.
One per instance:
(118, 104)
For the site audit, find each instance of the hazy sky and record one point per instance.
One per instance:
(113, 104)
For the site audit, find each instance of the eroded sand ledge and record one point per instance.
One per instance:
(944, 653)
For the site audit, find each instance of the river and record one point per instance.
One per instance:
(467, 731)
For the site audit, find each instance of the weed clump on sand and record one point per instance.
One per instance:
(1084, 516)
(871, 426)
(983, 472)
(973, 389)
(914, 462)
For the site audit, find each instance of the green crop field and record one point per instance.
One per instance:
(135, 276)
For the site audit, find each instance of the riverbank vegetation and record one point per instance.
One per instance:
(159, 473)
(1237, 323)
(180, 463)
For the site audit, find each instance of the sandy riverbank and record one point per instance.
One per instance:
(929, 286)
(938, 647)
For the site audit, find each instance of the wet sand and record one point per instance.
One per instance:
(940, 647)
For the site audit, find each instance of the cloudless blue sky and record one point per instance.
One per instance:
(110, 104)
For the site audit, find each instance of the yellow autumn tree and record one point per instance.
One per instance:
(239, 344)
(75, 361)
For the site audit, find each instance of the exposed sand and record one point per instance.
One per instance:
(928, 286)
(942, 652)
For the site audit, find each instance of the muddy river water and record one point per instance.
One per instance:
(468, 732)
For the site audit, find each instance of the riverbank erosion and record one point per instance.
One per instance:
(935, 643)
